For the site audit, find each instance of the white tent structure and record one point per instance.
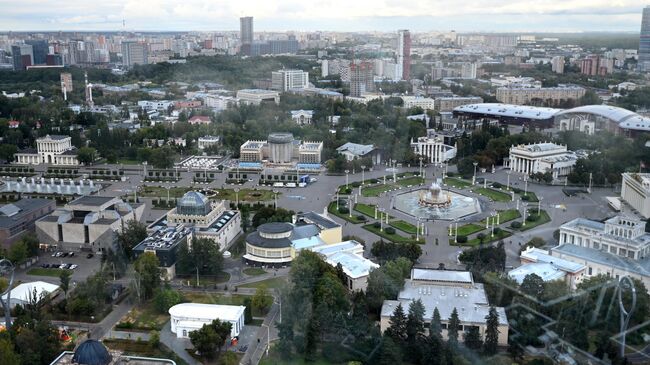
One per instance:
(188, 317)
(21, 293)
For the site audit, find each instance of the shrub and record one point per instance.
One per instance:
(497, 230)
(390, 230)
(347, 190)
(361, 218)
(344, 210)
(525, 197)
(515, 225)
(376, 225)
(461, 239)
(497, 185)
(374, 181)
(532, 218)
(451, 174)
(356, 184)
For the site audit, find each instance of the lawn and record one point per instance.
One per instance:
(475, 241)
(251, 195)
(505, 216)
(532, 197)
(543, 218)
(41, 271)
(206, 280)
(143, 317)
(404, 226)
(457, 183)
(254, 271)
(395, 237)
(495, 195)
(366, 209)
(373, 191)
(331, 208)
(467, 229)
(272, 283)
(410, 181)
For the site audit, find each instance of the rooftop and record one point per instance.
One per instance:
(164, 238)
(207, 311)
(542, 256)
(509, 110)
(547, 272)
(92, 200)
(356, 149)
(317, 219)
(442, 276)
(640, 267)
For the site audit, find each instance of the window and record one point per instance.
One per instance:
(589, 270)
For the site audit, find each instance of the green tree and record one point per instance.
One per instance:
(154, 339)
(148, 274)
(18, 253)
(435, 328)
(491, 332)
(64, 279)
(203, 256)
(7, 152)
(532, 285)
(248, 312)
(390, 353)
(7, 354)
(472, 338)
(131, 235)
(166, 298)
(453, 327)
(205, 340)
(397, 326)
(415, 321)
(31, 243)
(86, 155)
(262, 299)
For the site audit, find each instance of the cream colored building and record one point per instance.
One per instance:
(418, 101)
(446, 290)
(542, 158)
(257, 96)
(635, 190)
(348, 254)
(618, 247)
(447, 104)
(281, 148)
(527, 96)
(51, 149)
(433, 149)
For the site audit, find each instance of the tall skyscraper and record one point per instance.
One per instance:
(557, 64)
(134, 53)
(23, 56)
(362, 79)
(644, 41)
(246, 29)
(40, 47)
(404, 53)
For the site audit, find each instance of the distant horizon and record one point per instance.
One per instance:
(505, 16)
(514, 32)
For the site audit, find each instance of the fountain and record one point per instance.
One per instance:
(434, 202)
(434, 197)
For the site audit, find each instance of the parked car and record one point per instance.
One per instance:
(54, 254)
(73, 266)
(63, 266)
(63, 254)
(89, 256)
(70, 253)
(45, 266)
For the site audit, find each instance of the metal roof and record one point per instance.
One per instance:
(640, 267)
(201, 311)
(547, 272)
(542, 256)
(449, 276)
(356, 149)
(626, 119)
(509, 110)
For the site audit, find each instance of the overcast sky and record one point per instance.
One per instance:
(338, 15)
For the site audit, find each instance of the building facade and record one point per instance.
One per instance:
(446, 290)
(644, 41)
(246, 29)
(188, 317)
(353, 151)
(542, 158)
(19, 217)
(548, 95)
(447, 104)
(208, 141)
(348, 254)
(404, 54)
(51, 149)
(635, 190)
(257, 96)
(362, 79)
(433, 149)
(281, 148)
(284, 80)
(134, 53)
(617, 247)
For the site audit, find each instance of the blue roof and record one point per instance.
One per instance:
(91, 352)
(250, 164)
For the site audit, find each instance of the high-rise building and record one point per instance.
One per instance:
(404, 53)
(66, 84)
(40, 49)
(644, 41)
(362, 79)
(596, 65)
(284, 80)
(468, 70)
(134, 53)
(23, 56)
(246, 29)
(557, 64)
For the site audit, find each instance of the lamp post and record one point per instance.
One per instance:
(167, 187)
(420, 166)
(508, 183)
(346, 178)
(363, 174)
(525, 212)
(236, 198)
(275, 193)
(268, 336)
(417, 229)
(381, 219)
(539, 206)
(474, 177)
(350, 205)
(525, 185)
(493, 217)
(394, 170)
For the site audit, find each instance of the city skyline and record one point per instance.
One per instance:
(333, 15)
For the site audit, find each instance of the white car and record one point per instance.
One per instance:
(63, 266)
(73, 266)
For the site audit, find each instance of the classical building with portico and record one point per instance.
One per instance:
(542, 157)
(433, 149)
(51, 149)
(635, 190)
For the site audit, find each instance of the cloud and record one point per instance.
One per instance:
(320, 14)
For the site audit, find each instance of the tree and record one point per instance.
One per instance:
(154, 339)
(203, 256)
(64, 278)
(166, 298)
(262, 299)
(397, 326)
(7, 152)
(7, 354)
(472, 338)
(532, 285)
(148, 273)
(210, 338)
(491, 332)
(132, 234)
(248, 312)
(18, 253)
(86, 155)
(435, 328)
(415, 321)
(453, 327)
(390, 353)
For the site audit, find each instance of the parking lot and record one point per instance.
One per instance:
(85, 267)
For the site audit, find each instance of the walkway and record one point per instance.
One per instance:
(178, 345)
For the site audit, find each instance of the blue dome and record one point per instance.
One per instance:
(91, 352)
(193, 203)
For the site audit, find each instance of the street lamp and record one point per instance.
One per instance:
(236, 198)
(525, 185)
(363, 174)
(420, 166)
(493, 214)
(346, 178)
(381, 219)
(508, 184)
(474, 177)
(525, 212)
(275, 193)
(539, 206)
(268, 336)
